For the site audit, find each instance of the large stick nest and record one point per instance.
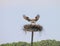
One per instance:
(30, 27)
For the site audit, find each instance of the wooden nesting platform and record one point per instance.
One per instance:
(30, 27)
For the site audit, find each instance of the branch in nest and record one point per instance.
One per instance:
(30, 27)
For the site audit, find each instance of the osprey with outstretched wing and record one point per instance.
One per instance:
(31, 20)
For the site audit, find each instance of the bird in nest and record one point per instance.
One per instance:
(33, 21)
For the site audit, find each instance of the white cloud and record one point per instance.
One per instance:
(27, 2)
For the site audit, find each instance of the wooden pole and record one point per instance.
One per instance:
(32, 38)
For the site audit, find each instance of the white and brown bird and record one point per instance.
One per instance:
(31, 20)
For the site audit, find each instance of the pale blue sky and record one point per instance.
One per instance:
(11, 20)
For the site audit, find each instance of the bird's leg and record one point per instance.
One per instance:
(33, 23)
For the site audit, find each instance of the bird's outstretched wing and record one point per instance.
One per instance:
(26, 18)
(37, 17)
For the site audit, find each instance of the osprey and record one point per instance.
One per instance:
(31, 20)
